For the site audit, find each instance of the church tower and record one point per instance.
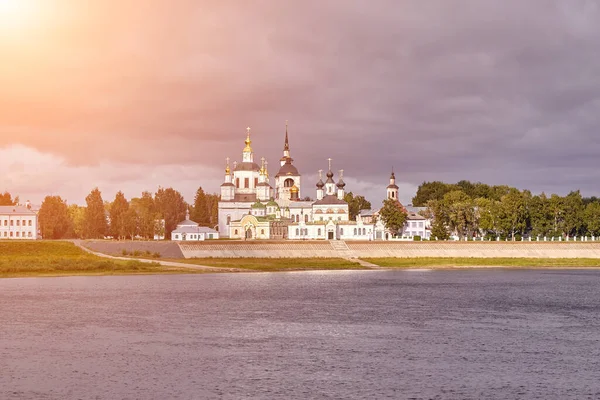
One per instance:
(227, 188)
(329, 183)
(392, 189)
(288, 176)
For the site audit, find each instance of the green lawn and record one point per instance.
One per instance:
(55, 258)
(275, 264)
(431, 262)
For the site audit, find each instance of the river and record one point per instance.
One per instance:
(469, 334)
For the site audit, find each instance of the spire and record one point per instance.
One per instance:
(286, 146)
(227, 169)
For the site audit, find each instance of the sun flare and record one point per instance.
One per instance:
(16, 13)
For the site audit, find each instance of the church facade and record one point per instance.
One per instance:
(250, 208)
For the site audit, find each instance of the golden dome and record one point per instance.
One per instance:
(248, 149)
(294, 189)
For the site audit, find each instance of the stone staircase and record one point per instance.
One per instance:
(342, 249)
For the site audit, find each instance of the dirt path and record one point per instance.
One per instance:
(79, 244)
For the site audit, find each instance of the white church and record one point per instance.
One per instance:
(250, 208)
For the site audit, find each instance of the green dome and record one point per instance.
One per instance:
(258, 204)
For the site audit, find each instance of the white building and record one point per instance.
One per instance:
(18, 223)
(190, 231)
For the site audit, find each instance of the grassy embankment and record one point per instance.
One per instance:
(464, 262)
(41, 258)
(275, 264)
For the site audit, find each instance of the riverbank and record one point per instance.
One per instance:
(57, 258)
(464, 262)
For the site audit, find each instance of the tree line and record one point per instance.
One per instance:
(140, 217)
(471, 210)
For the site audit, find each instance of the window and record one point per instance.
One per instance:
(246, 183)
(393, 195)
(18, 222)
(228, 219)
(339, 218)
(11, 234)
(12, 222)
(236, 231)
(262, 231)
(5, 222)
(17, 234)
(341, 231)
(297, 232)
(354, 231)
(319, 232)
(364, 231)
(305, 217)
(321, 219)
(237, 182)
(288, 183)
(420, 224)
(29, 223)
(255, 182)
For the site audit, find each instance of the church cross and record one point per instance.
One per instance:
(329, 159)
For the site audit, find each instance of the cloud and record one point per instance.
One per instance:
(501, 92)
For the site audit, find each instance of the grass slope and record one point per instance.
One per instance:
(448, 262)
(275, 264)
(53, 258)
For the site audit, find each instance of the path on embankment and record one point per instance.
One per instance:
(79, 244)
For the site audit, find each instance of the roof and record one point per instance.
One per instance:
(272, 203)
(414, 216)
(194, 229)
(258, 204)
(16, 210)
(300, 204)
(227, 184)
(288, 169)
(393, 187)
(187, 222)
(329, 199)
(247, 166)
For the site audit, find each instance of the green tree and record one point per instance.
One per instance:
(200, 212)
(131, 223)
(118, 216)
(557, 209)
(514, 212)
(355, 204)
(574, 212)
(540, 215)
(53, 218)
(460, 213)
(213, 207)
(592, 218)
(393, 215)
(431, 191)
(488, 215)
(95, 216)
(439, 225)
(146, 214)
(7, 200)
(76, 221)
(171, 207)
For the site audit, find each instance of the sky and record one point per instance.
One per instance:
(135, 94)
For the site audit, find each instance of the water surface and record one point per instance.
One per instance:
(357, 334)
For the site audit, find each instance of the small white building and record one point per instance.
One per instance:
(18, 223)
(190, 231)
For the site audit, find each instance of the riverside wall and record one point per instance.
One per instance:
(325, 249)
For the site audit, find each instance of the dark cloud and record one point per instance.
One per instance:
(505, 92)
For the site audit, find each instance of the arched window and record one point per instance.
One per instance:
(262, 231)
(228, 219)
(236, 232)
(288, 183)
(297, 232)
(306, 218)
(354, 231)
(364, 231)
(319, 232)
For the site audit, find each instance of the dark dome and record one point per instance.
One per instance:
(341, 184)
(288, 169)
(320, 184)
(329, 174)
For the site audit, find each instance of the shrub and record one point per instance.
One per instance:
(124, 252)
(136, 253)
(417, 238)
(156, 255)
